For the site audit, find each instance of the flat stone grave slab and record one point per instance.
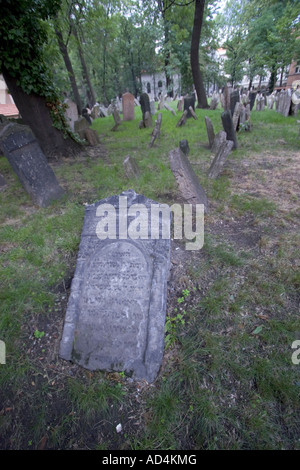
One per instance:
(115, 317)
(29, 163)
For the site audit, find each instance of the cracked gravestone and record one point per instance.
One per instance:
(29, 163)
(186, 178)
(115, 317)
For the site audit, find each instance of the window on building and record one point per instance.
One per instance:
(160, 84)
(148, 87)
(297, 69)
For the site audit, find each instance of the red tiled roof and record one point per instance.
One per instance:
(9, 110)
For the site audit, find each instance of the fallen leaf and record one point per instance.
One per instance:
(257, 330)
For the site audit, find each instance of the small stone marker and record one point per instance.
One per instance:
(95, 111)
(228, 127)
(218, 162)
(115, 317)
(184, 146)
(130, 167)
(29, 163)
(180, 104)
(128, 107)
(117, 118)
(210, 131)
(284, 102)
(71, 112)
(186, 178)
(80, 126)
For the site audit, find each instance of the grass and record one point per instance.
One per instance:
(227, 379)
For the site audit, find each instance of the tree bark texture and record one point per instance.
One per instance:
(36, 114)
(64, 51)
(196, 72)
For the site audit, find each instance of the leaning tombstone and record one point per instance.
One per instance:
(29, 163)
(186, 178)
(219, 139)
(210, 131)
(236, 114)
(218, 162)
(128, 107)
(170, 109)
(182, 120)
(214, 103)
(156, 131)
(115, 318)
(234, 98)
(228, 127)
(131, 169)
(117, 118)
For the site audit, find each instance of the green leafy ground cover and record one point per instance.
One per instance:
(227, 380)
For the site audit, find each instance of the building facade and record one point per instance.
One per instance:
(154, 84)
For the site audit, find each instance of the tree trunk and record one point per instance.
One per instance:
(197, 76)
(85, 73)
(68, 64)
(36, 114)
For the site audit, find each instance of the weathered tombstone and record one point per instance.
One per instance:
(80, 126)
(236, 114)
(148, 119)
(152, 107)
(145, 104)
(228, 127)
(234, 98)
(252, 96)
(194, 115)
(91, 136)
(29, 163)
(186, 178)
(95, 112)
(184, 146)
(182, 120)
(285, 101)
(170, 109)
(210, 131)
(189, 100)
(243, 115)
(116, 117)
(115, 317)
(86, 115)
(156, 130)
(128, 107)
(218, 162)
(219, 139)
(226, 97)
(180, 104)
(260, 102)
(71, 112)
(131, 169)
(214, 103)
(103, 112)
